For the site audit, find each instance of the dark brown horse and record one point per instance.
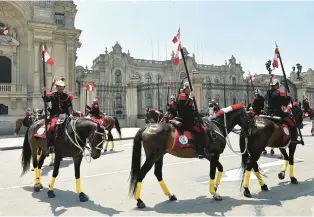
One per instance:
(109, 123)
(161, 138)
(272, 133)
(80, 134)
(153, 115)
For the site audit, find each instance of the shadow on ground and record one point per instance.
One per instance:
(68, 199)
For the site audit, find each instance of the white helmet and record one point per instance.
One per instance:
(61, 82)
(274, 82)
(256, 91)
(185, 85)
(172, 97)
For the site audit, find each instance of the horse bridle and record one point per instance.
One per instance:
(151, 120)
(77, 137)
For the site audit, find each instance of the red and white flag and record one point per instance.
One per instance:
(176, 59)
(48, 58)
(253, 79)
(276, 57)
(89, 87)
(176, 38)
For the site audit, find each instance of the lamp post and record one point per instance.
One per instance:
(299, 70)
(225, 93)
(158, 80)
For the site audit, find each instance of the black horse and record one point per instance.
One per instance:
(78, 133)
(161, 138)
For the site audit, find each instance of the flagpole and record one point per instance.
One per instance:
(45, 93)
(288, 91)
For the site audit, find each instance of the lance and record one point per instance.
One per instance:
(251, 81)
(190, 83)
(288, 91)
(45, 93)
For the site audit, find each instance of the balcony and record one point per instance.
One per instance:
(7, 90)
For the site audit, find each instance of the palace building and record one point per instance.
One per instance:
(25, 27)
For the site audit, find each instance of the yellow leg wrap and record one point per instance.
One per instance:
(52, 156)
(51, 184)
(78, 186)
(164, 188)
(39, 174)
(38, 156)
(285, 164)
(36, 178)
(219, 175)
(107, 143)
(291, 171)
(112, 144)
(212, 186)
(259, 178)
(247, 179)
(137, 194)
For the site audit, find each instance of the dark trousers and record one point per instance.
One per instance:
(199, 136)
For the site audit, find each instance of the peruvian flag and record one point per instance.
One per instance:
(275, 60)
(89, 87)
(176, 59)
(48, 59)
(176, 38)
(253, 79)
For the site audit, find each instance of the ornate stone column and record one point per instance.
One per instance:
(14, 65)
(36, 67)
(197, 82)
(49, 68)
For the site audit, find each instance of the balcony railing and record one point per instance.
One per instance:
(6, 89)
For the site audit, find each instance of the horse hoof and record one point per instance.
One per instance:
(83, 197)
(51, 194)
(264, 188)
(272, 152)
(247, 193)
(281, 175)
(51, 164)
(294, 180)
(32, 169)
(172, 198)
(217, 197)
(140, 204)
(37, 187)
(264, 152)
(105, 150)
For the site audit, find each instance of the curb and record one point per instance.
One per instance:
(20, 147)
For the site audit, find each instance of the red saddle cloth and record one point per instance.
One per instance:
(98, 120)
(186, 139)
(286, 133)
(41, 132)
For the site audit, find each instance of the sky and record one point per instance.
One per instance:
(213, 30)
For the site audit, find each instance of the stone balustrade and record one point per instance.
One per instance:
(6, 89)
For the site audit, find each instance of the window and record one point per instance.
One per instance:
(217, 80)
(234, 99)
(148, 78)
(118, 76)
(119, 101)
(234, 81)
(149, 101)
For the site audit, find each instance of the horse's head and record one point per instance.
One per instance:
(235, 115)
(153, 116)
(94, 132)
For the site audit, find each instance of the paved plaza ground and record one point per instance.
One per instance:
(105, 180)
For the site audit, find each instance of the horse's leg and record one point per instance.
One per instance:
(282, 174)
(158, 174)
(77, 165)
(52, 156)
(40, 164)
(247, 176)
(212, 174)
(259, 177)
(55, 173)
(38, 153)
(37, 184)
(292, 148)
(219, 176)
(149, 162)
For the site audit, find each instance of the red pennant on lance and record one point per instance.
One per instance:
(253, 79)
(89, 87)
(176, 59)
(48, 58)
(176, 38)
(275, 60)
(54, 81)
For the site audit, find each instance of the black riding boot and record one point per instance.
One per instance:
(294, 135)
(200, 140)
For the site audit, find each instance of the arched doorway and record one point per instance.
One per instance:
(5, 73)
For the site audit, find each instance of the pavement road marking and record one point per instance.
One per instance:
(235, 174)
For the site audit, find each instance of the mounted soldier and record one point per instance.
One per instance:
(306, 105)
(276, 100)
(187, 115)
(61, 106)
(94, 110)
(214, 105)
(171, 108)
(258, 103)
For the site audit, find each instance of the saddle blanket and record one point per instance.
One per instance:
(286, 133)
(41, 132)
(98, 120)
(183, 139)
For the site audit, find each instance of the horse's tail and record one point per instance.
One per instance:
(136, 160)
(18, 126)
(117, 125)
(26, 154)
(245, 158)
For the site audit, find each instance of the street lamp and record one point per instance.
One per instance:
(299, 68)
(268, 64)
(158, 80)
